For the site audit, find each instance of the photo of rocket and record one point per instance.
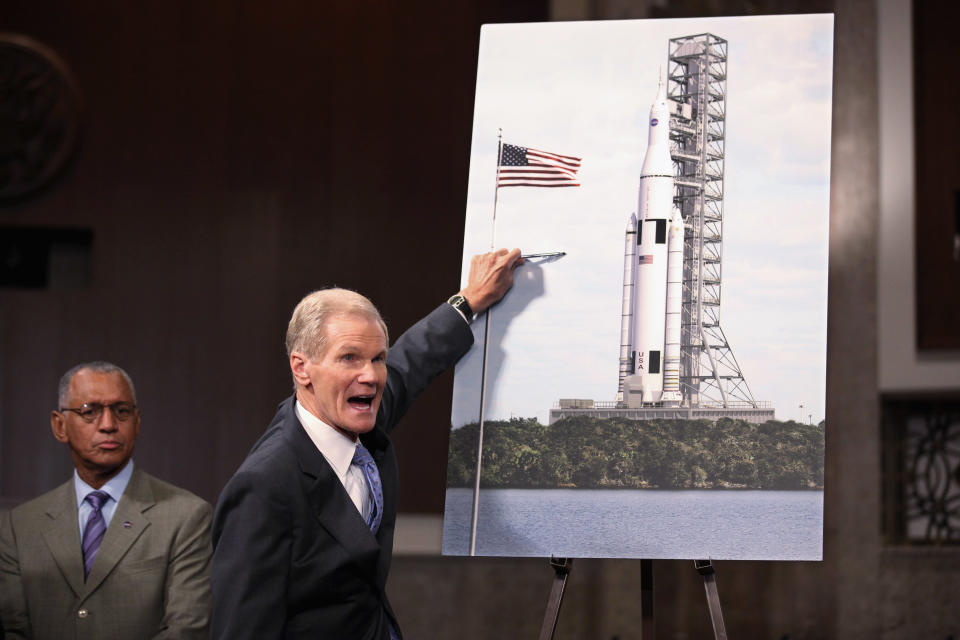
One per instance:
(605, 383)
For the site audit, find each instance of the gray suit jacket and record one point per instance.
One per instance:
(150, 578)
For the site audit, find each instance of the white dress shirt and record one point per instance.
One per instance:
(338, 449)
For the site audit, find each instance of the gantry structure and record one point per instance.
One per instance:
(696, 86)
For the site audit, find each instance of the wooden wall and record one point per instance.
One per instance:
(937, 131)
(236, 155)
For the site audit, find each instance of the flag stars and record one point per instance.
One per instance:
(514, 156)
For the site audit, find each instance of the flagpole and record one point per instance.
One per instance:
(483, 368)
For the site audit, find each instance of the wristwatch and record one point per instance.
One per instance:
(460, 303)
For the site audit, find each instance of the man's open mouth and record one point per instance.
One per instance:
(361, 403)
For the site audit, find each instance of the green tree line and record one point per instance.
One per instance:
(586, 452)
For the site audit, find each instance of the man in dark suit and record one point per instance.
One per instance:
(303, 532)
(112, 553)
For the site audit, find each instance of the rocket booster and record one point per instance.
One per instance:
(671, 352)
(626, 318)
(648, 326)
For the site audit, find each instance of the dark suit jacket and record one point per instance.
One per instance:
(293, 558)
(150, 578)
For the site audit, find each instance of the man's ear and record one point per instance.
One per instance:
(58, 426)
(298, 366)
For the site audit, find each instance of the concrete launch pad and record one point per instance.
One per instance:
(568, 409)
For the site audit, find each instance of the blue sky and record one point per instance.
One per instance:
(585, 89)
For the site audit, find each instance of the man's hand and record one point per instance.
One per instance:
(491, 276)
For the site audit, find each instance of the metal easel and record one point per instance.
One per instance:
(561, 571)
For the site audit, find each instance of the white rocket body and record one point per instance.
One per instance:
(653, 325)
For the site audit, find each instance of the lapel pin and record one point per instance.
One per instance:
(127, 524)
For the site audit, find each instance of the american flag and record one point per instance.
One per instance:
(525, 167)
(648, 259)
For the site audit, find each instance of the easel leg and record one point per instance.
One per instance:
(705, 568)
(561, 569)
(646, 599)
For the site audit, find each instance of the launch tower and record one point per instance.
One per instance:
(696, 83)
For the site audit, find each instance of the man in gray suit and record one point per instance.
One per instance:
(112, 553)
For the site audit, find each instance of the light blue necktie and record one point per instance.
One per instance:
(93, 532)
(363, 459)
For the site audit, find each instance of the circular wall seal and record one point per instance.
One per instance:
(39, 115)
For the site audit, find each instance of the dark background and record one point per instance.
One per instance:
(233, 157)
(938, 174)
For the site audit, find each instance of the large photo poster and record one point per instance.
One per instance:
(653, 386)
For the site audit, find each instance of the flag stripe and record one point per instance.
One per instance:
(528, 176)
(536, 184)
(552, 157)
(510, 173)
(541, 168)
(534, 156)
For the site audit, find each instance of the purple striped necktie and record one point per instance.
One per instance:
(93, 532)
(363, 459)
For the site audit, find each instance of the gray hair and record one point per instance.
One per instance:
(307, 331)
(98, 366)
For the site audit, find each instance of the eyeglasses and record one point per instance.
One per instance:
(91, 411)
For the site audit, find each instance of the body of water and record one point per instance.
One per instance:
(717, 524)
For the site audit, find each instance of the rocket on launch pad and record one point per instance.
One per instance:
(653, 277)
